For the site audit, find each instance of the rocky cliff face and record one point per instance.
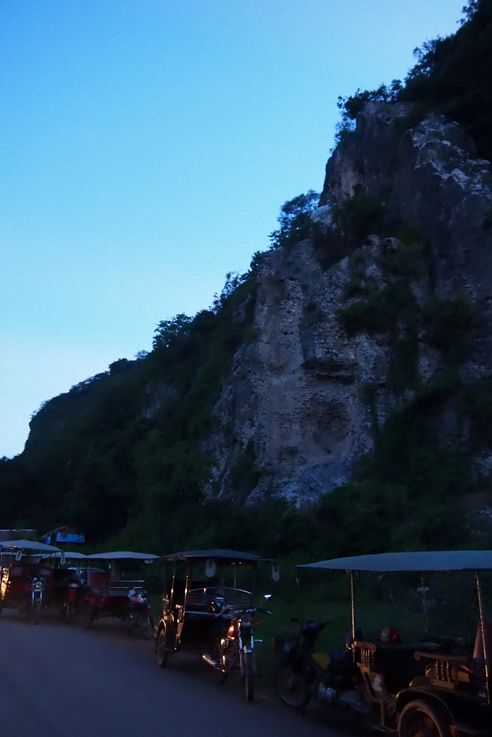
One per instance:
(294, 414)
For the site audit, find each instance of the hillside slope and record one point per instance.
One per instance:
(342, 387)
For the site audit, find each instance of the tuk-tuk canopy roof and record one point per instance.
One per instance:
(28, 545)
(219, 555)
(431, 560)
(123, 555)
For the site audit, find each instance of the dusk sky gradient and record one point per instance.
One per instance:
(146, 149)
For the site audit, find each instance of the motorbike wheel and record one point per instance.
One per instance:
(68, 612)
(146, 628)
(420, 719)
(248, 677)
(88, 613)
(36, 612)
(162, 650)
(226, 658)
(292, 687)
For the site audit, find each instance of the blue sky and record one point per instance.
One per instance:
(146, 147)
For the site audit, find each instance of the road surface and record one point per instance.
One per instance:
(63, 681)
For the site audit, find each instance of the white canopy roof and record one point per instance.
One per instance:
(437, 560)
(123, 555)
(29, 545)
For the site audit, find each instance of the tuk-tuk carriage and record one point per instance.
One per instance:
(427, 688)
(25, 578)
(65, 590)
(207, 608)
(106, 592)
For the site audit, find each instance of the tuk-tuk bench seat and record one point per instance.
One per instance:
(390, 667)
(447, 670)
(199, 601)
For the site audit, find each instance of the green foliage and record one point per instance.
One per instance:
(380, 311)
(403, 366)
(295, 220)
(409, 260)
(449, 326)
(121, 453)
(478, 397)
(245, 475)
(452, 75)
(351, 106)
(359, 216)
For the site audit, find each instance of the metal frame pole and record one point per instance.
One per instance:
(482, 632)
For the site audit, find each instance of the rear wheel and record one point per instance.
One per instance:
(420, 719)
(249, 676)
(162, 649)
(292, 687)
(88, 614)
(36, 611)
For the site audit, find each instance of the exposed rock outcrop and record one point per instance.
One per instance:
(293, 416)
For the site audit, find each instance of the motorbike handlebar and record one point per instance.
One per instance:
(231, 611)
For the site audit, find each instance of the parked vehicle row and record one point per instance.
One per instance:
(427, 687)
(421, 688)
(36, 577)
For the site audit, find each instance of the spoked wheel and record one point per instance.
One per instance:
(226, 657)
(68, 612)
(36, 611)
(162, 648)
(146, 627)
(419, 719)
(292, 687)
(88, 615)
(249, 676)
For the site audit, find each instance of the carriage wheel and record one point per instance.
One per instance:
(162, 650)
(420, 719)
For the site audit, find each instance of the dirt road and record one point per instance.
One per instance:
(61, 681)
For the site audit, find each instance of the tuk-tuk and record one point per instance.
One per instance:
(206, 607)
(426, 688)
(109, 592)
(25, 577)
(65, 591)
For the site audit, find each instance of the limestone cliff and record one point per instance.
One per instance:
(294, 413)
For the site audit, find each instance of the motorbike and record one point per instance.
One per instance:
(72, 600)
(38, 589)
(305, 674)
(411, 688)
(137, 616)
(235, 647)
